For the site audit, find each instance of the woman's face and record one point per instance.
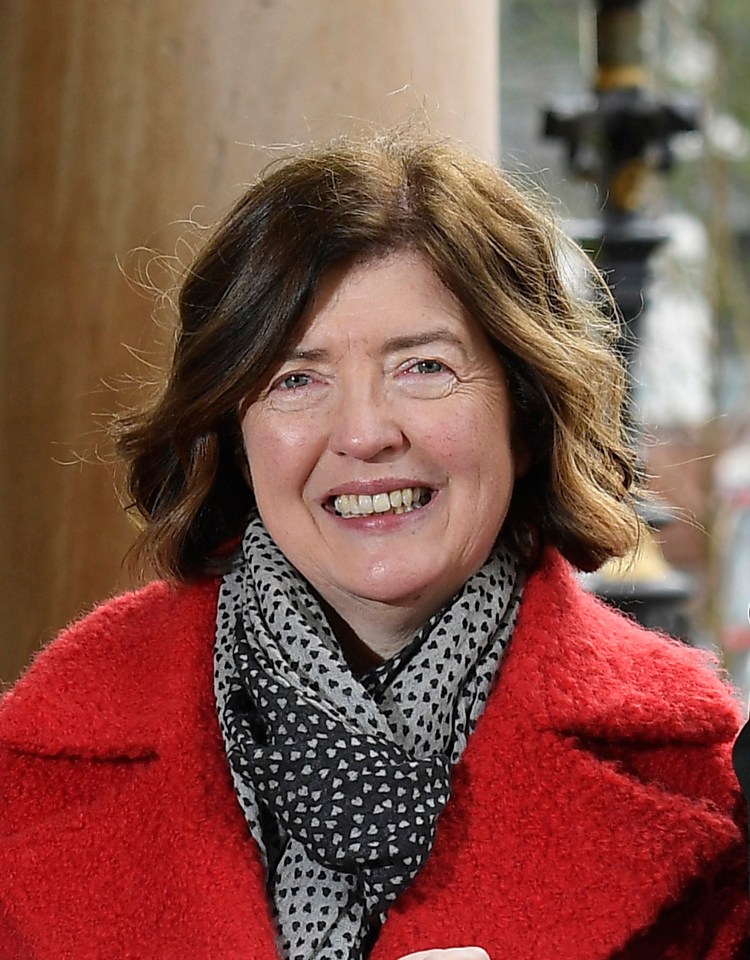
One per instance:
(380, 451)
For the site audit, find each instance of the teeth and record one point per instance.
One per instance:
(396, 501)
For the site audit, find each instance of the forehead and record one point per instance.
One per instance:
(398, 293)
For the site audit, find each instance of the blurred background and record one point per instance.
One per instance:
(129, 124)
(691, 362)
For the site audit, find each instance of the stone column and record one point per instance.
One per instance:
(123, 118)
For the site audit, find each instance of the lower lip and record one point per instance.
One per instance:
(383, 522)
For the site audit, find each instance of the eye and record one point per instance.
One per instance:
(428, 366)
(297, 390)
(426, 379)
(293, 381)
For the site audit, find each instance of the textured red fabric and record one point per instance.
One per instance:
(594, 814)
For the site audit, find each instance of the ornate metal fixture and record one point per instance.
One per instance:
(618, 135)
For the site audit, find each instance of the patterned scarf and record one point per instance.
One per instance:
(342, 780)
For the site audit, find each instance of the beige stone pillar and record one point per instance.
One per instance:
(120, 116)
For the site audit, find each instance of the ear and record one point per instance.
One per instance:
(238, 445)
(522, 464)
(245, 468)
(522, 457)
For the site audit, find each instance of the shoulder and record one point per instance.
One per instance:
(635, 703)
(594, 670)
(97, 684)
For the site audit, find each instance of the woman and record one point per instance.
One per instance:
(370, 712)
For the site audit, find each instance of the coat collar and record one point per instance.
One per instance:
(591, 672)
(116, 683)
(119, 682)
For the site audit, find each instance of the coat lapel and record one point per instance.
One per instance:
(546, 850)
(549, 825)
(558, 841)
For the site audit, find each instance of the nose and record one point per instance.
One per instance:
(365, 425)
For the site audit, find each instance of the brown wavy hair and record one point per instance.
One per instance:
(244, 300)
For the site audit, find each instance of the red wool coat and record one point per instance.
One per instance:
(594, 814)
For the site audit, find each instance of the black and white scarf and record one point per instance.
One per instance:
(342, 780)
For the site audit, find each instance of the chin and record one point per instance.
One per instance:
(397, 588)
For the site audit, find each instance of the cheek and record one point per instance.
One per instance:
(276, 448)
(472, 443)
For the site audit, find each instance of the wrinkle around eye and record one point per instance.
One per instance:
(428, 385)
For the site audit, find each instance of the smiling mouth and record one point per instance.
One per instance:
(394, 502)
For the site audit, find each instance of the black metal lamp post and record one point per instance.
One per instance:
(617, 135)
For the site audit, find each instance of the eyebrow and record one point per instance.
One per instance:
(407, 341)
(312, 355)
(391, 345)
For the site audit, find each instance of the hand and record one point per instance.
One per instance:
(454, 953)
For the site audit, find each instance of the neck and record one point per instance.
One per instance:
(367, 640)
